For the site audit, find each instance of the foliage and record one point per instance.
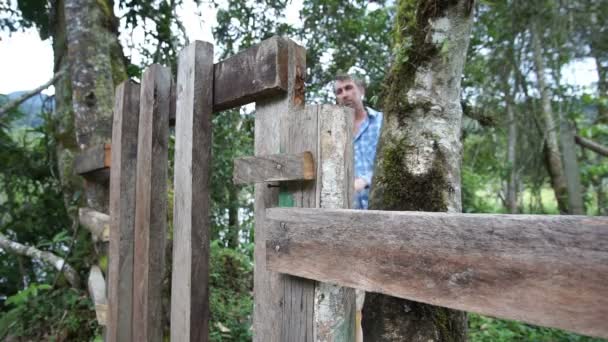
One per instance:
(231, 281)
(345, 36)
(40, 312)
(488, 329)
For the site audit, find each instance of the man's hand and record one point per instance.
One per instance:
(360, 184)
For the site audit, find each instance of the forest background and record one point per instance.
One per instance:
(521, 105)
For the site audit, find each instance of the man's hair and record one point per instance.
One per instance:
(359, 81)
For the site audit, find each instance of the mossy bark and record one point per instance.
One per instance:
(96, 64)
(418, 161)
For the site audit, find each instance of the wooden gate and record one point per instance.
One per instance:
(546, 270)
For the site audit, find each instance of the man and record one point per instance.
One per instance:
(349, 91)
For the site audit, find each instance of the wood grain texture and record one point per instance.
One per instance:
(334, 310)
(254, 74)
(251, 75)
(270, 287)
(190, 272)
(274, 168)
(151, 203)
(97, 290)
(545, 270)
(122, 212)
(93, 159)
(95, 222)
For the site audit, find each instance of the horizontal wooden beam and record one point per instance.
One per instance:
(254, 74)
(94, 162)
(274, 168)
(251, 75)
(97, 223)
(545, 270)
(97, 291)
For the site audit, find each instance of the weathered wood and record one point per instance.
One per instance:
(545, 270)
(334, 310)
(151, 203)
(122, 212)
(254, 74)
(97, 291)
(93, 159)
(274, 168)
(269, 287)
(95, 222)
(190, 273)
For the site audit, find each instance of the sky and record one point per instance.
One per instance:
(26, 62)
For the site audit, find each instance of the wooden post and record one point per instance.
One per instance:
(270, 302)
(122, 212)
(540, 269)
(306, 310)
(190, 273)
(334, 311)
(151, 203)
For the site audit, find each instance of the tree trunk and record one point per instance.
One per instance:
(571, 169)
(418, 162)
(91, 37)
(233, 217)
(552, 153)
(511, 155)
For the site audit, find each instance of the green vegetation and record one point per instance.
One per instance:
(37, 303)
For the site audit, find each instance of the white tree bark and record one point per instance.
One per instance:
(419, 156)
(552, 153)
(49, 258)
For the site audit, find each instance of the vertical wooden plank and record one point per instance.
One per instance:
(334, 306)
(122, 211)
(190, 272)
(269, 288)
(151, 203)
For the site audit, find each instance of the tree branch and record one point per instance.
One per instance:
(592, 145)
(58, 263)
(16, 102)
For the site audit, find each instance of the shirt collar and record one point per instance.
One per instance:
(371, 112)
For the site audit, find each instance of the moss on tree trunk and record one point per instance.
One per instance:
(418, 162)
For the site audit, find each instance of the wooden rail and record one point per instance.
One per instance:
(545, 270)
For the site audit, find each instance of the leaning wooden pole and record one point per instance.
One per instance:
(151, 204)
(122, 212)
(190, 271)
(270, 307)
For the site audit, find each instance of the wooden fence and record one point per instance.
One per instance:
(546, 270)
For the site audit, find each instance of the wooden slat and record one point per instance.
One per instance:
(334, 310)
(97, 223)
(122, 212)
(97, 291)
(545, 270)
(190, 272)
(94, 158)
(274, 168)
(254, 74)
(151, 203)
(270, 309)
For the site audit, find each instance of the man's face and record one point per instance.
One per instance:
(348, 94)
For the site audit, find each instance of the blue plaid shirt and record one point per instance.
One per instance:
(365, 143)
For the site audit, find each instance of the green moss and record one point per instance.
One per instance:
(411, 49)
(105, 7)
(402, 190)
